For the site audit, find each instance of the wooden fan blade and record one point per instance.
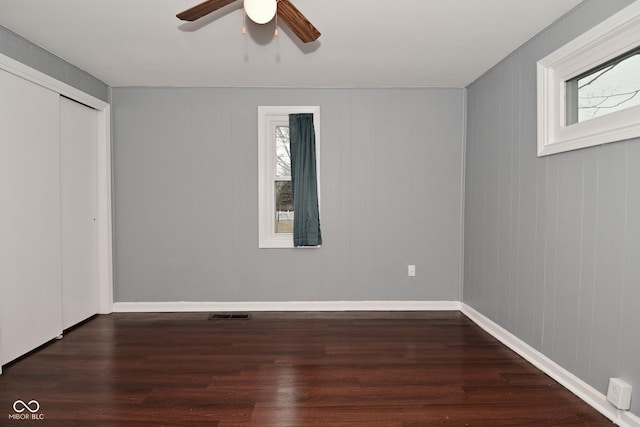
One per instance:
(203, 9)
(298, 23)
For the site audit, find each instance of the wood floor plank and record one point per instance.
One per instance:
(395, 369)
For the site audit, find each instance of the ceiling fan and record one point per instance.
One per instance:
(261, 12)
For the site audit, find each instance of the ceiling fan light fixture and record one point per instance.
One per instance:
(260, 11)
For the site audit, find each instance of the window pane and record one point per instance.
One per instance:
(283, 152)
(284, 206)
(608, 88)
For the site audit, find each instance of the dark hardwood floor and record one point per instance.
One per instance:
(285, 369)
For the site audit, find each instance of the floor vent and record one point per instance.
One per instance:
(228, 316)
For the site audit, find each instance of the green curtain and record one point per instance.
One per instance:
(306, 219)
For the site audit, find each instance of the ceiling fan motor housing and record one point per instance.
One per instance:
(260, 11)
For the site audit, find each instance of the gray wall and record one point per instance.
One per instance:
(186, 196)
(552, 244)
(21, 49)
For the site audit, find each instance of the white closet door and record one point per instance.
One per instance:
(30, 287)
(78, 152)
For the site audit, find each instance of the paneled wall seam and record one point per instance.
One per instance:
(463, 152)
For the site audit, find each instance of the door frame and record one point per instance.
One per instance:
(103, 168)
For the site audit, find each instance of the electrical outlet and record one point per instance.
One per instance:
(411, 271)
(619, 393)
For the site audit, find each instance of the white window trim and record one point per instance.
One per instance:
(611, 38)
(267, 116)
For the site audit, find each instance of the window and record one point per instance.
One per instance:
(610, 87)
(275, 193)
(282, 181)
(588, 90)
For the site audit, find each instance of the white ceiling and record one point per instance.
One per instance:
(364, 43)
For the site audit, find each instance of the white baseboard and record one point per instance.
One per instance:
(574, 384)
(185, 306)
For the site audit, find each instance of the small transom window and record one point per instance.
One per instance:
(610, 87)
(589, 89)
